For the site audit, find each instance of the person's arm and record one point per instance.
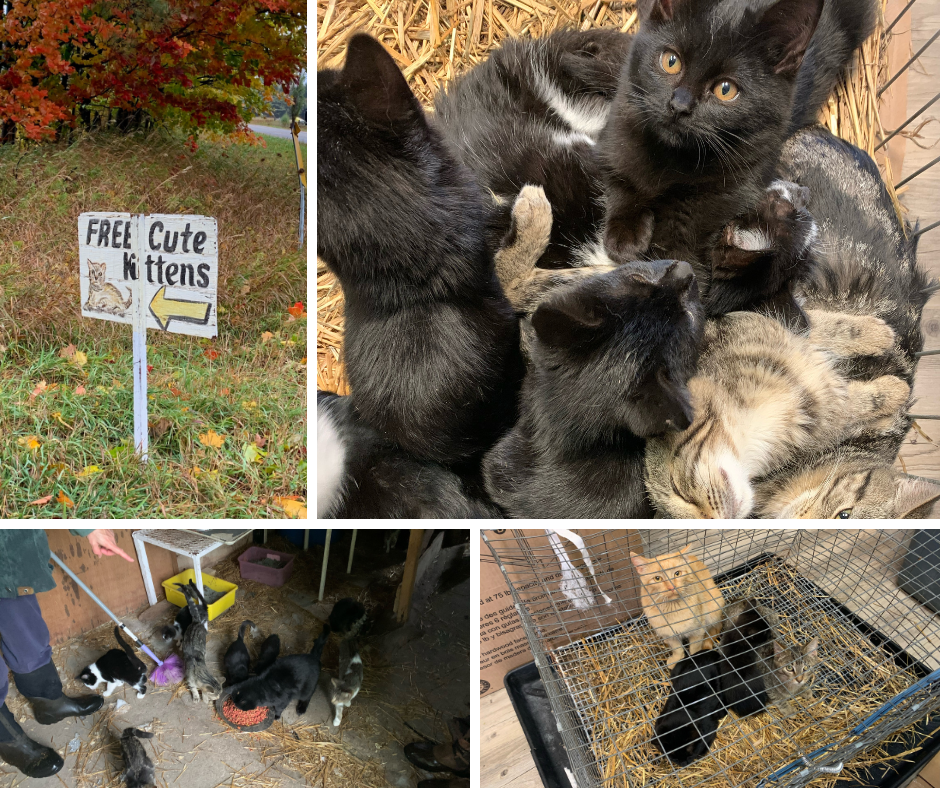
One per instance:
(102, 543)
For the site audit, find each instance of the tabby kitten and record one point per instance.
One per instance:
(865, 263)
(705, 102)
(789, 673)
(680, 600)
(762, 394)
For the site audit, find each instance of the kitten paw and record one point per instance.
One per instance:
(891, 394)
(627, 238)
(850, 335)
(527, 238)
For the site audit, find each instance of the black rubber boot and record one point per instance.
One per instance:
(43, 689)
(21, 752)
(49, 712)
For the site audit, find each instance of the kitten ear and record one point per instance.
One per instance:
(565, 321)
(912, 494)
(809, 650)
(656, 10)
(778, 649)
(376, 85)
(788, 27)
(685, 549)
(638, 561)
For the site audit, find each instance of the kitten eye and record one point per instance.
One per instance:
(845, 514)
(789, 668)
(726, 90)
(657, 578)
(678, 573)
(670, 62)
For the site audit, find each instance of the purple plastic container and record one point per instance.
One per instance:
(265, 574)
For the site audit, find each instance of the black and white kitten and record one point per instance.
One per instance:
(172, 633)
(688, 723)
(362, 474)
(138, 768)
(530, 114)
(116, 667)
(431, 343)
(705, 103)
(577, 449)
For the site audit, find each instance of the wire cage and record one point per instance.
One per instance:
(868, 596)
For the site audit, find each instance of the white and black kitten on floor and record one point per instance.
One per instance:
(116, 667)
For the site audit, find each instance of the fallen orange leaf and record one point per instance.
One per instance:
(41, 386)
(210, 354)
(65, 500)
(294, 509)
(68, 351)
(297, 310)
(80, 389)
(41, 501)
(211, 438)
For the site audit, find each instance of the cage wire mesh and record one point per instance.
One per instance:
(863, 594)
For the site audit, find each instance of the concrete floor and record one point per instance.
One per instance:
(416, 677)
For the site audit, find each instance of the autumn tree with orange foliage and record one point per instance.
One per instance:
(197, 63)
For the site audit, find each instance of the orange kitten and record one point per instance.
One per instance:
(680, 599)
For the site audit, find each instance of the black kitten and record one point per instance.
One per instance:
(762, 256)
(742, 679)
(347, 617)
(288, 679)
(611, 356)
(431, 343)
(237, 660)
(268, 653)
(362, 474)
(117, 667)
(530, 114)
(688, 723)
(138, 768)
(705, 103)
(174, 632)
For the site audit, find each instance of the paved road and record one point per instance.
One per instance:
(275, 132)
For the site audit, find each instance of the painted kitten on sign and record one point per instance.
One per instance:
(102, 295)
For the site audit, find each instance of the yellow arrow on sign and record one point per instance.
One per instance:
(166, 309)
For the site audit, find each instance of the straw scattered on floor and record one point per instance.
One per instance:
(626, 680)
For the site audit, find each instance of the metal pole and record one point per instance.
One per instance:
(898, 17)
(907, 65)
(915, 174)
(901, 128)
(326, 558)
(929, 227)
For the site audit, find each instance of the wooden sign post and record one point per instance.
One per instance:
(159, 272)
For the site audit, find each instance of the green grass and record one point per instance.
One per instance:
(248, 385)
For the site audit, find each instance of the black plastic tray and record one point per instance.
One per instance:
(530, 701)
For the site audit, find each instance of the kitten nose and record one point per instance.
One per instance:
(681, 101)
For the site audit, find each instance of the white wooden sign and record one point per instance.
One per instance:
(175, 258)
(160, 272)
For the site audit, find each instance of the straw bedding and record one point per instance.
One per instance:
(620, 684)
(433, 42)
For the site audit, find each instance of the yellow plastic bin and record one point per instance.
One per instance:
(217, 608)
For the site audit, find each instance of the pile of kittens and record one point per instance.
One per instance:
(736, 661)
(618, 276)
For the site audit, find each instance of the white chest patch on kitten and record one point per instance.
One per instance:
(751, 240)
(586, 117)
(331, 464)
(572, 138)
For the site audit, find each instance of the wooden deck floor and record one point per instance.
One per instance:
(921, 453)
